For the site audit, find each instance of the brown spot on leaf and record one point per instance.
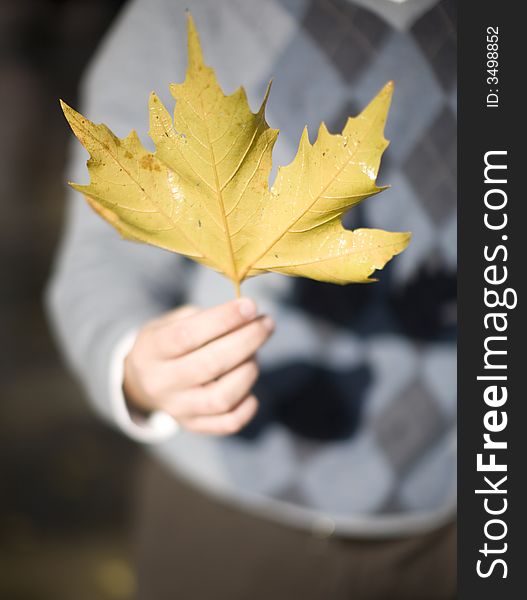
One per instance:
(148, 163)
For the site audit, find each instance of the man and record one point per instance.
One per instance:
(329, 470)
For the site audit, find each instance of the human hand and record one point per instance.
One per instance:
(199, 366)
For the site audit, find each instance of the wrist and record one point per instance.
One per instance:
(132, 397)
(135, 421)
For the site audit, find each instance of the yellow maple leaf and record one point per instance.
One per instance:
(204, 193)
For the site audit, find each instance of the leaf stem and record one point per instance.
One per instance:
(237, 288)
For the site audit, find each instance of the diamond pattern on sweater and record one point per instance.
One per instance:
(435, 33)
(348, 34)
(408, 424)
(431, 167)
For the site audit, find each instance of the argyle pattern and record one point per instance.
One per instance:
(374, 435)
(358, 385)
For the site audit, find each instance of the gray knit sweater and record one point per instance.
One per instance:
(356, 431)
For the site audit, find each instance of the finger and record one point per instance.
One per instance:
(181, 312)
(227, 423)
(217, 397)
(173, 315)
(222, 355)
(178, 337)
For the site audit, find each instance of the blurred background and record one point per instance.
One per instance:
(64, 506)
(65, 477)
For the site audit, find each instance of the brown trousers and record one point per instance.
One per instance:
(191, 547)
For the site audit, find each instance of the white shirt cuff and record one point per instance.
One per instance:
(157, 427)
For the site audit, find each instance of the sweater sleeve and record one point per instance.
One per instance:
(102, 287)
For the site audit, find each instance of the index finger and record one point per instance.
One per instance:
(180, 336)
